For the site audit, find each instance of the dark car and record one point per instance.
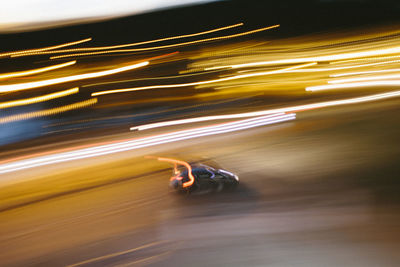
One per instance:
(200, 178)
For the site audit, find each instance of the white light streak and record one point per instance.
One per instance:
(144, 142)
(270, 111)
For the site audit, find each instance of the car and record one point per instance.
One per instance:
(199, 178)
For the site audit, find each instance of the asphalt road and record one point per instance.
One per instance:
(318, 191)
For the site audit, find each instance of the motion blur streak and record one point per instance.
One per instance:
(139, 43)
(271, 111)
(329, 69)
(242, 76)
(353, 85)
(392, 50)
(115, 254)
(171, 45)
(31, 85)
(38, 99)
(363, 72)
(347, 67)
(364, 59)
(149, 79)
(35, 71)
(26, 52)
(144, 142)
(48, 112)
(369, 78)
(184, 163)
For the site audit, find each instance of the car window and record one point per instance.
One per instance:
(203, 173)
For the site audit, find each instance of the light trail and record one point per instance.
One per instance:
(168, 46)
(363, 72)
(352, 85)
(38, 99)
(151, 78)
(184, 163)
(140, 43)
(347, 67)
(269, 111)
(48, 112)
(328, 69)
(23, 52)
(369, 78)
(363, 59)
(35, 71)
(36, 84)
(242, 76)
(133, 144)
(385, 51)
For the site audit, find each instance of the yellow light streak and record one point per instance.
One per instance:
(242, 76)
(31, 85)
(150, 79)
(168, 46)
(330, 69)
(353, 85)
(48, 112)
(347, 67)
(35, 71)
(369, 78)
(38, 99)
(391, 50)
(139, 43)
(363, 59)
(363, 72)
(22, 52)
(289, 109)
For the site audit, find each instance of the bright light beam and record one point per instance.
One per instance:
(34, 50)
(142, 142)
(31, 85)
(386, 51)
(48, 112)
(269, 111)
(352, 85)
(369, 78)
(242, 76)
(363, 72)
(35, 71)
(135, 44)
(168, 46)
(39, 99)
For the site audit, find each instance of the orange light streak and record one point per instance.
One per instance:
(35, 71)
(135, 44)
(184, 163)
(168, 46)
(23, 52)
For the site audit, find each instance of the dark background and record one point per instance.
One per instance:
(296, 18)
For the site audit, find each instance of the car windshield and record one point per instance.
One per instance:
(203, 172)
(199, 171)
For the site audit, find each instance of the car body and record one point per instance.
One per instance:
(200, 178)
